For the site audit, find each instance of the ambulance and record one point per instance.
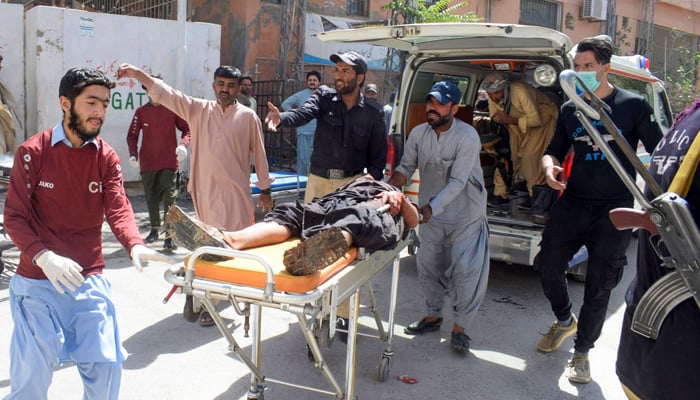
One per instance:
(465, 53)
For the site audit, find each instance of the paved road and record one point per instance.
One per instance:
(170, 358)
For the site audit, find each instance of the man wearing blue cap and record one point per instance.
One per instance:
(454, 256)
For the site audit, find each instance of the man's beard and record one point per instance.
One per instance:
(349, 88)
(78, 127)
(443, 120)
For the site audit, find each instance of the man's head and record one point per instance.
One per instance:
(84, 98)
(313, 79)
(442, 103)
(349, 68)
(495, 85)
(225, 84)
(371, 91)
(592, 61)
(246, 85)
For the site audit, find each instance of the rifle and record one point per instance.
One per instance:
(676, 238)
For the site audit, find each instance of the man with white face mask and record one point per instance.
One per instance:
(580, 216)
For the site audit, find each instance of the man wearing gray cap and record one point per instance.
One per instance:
(350, 135)
(454, 255)
(530, 117)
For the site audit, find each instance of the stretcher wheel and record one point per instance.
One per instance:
(188, 311)
(412, 248)
(384, 368)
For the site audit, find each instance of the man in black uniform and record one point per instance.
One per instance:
(580, 216)
(350, 134)
(663, 368)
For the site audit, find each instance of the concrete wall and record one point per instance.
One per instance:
(58, 39)
(12, 50)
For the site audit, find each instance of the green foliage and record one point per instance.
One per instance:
(621, 37)
(440, 11)
(680, 86)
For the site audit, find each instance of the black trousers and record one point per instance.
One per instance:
(573, 223)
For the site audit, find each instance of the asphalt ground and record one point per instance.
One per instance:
(170, 358)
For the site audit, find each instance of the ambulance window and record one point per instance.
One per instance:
(663, 111)
(641, 88)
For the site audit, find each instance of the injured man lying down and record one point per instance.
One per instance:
(327, 225)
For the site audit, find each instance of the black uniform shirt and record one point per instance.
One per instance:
(351, 140)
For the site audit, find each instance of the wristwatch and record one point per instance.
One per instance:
(266, 191)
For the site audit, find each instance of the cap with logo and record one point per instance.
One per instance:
(445, 92)
(353, 59)
(494, 82)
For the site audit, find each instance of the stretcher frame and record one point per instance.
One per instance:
(315, 311)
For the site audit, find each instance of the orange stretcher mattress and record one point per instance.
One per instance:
(246, 272)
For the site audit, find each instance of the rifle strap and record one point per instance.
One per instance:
(684, 176)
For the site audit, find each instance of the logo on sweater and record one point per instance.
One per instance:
(95, 187)
(45, 184)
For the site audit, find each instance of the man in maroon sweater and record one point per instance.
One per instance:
(158, 158)
(64, 182)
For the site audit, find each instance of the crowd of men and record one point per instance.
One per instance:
(59, 291)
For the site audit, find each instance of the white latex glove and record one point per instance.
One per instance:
(61, 271)
(181, 152)
(141, 253)
(134, 162)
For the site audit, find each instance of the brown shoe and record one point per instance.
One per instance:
(316, 252)
(191, 233)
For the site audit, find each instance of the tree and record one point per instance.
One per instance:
(403, 11)
(681, 85)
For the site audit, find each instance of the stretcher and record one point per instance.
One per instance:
(286, 184)
(254, 279)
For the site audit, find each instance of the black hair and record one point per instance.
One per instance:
(601, 47)
(241, 79)
(227, 71)
(313, 73)
(0, 57)
(77, 79)
(154, 76)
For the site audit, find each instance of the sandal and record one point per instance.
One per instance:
(460, 342)
(205, 319)
(423, 326)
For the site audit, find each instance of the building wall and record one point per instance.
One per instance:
(57, 39)
(251, 28)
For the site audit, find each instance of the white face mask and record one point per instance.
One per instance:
(589, 79)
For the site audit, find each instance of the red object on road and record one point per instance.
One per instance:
(407, 379)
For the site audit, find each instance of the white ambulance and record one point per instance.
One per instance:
(464, 53)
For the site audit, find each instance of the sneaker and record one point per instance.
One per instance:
(498, 201)
(556, 335)
(152, 237)
(578, 369)
(316, 252)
